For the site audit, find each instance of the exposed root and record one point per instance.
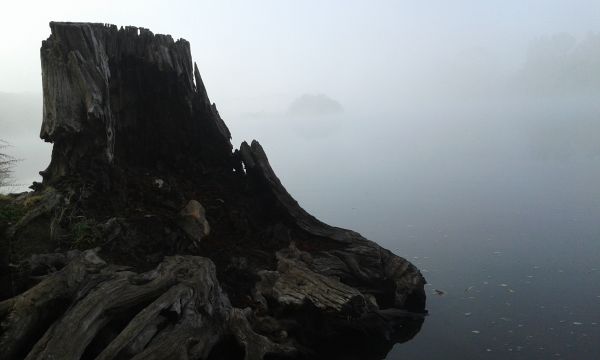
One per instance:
(177, 310)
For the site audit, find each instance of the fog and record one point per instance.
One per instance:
(392, 86)
(431, 128)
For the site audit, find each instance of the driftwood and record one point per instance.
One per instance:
(151, 238)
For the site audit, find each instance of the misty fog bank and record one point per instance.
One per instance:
(466, 122)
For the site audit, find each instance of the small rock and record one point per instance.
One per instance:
(193, 221)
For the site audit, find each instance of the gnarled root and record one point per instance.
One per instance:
(93, 310)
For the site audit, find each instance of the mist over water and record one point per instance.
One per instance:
(494, 195)
(496, 201)
(474, 154)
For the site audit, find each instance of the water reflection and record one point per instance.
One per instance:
(369, 340)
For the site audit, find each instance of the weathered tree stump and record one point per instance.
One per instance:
(150, 238)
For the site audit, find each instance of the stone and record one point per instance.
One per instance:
(193, 221)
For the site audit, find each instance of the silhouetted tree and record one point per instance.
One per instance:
(7, 163)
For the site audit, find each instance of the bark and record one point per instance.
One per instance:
(177, 310)
(150, 239)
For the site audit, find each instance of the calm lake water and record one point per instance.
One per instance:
(500, 212)
(521, 277)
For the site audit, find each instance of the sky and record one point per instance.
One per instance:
(275, 50)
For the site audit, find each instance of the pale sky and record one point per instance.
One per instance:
(258, 55)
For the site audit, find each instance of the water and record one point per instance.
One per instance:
(520, 286)
(498, 204)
